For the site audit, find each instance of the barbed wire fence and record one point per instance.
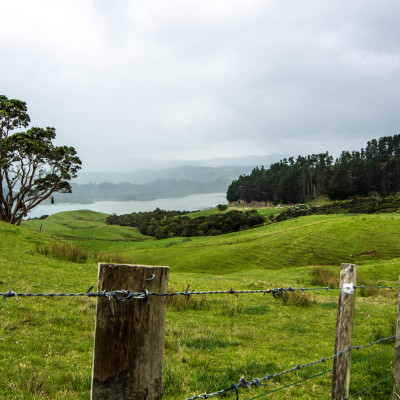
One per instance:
(258, 381)
(126, 296)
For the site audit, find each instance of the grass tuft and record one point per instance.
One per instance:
(116, 258)
(64, 251)
(297, 299)
(324, 277)
(182, 303)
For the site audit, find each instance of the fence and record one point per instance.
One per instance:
(130, 324)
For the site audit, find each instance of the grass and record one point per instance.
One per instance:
(46, 344)
(324, 277)
(313, 240)
(67, 251)
(84, 225)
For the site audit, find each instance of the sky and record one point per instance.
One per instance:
(130, 80)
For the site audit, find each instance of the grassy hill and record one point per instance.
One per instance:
(84, 224)
(46, 344)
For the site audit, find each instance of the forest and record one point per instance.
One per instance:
(374, 170)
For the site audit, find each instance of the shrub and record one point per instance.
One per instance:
(166, 224)
(222, 207)
(294, 212)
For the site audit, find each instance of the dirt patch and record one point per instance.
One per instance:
(371, 253)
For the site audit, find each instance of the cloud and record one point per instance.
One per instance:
(203, 79)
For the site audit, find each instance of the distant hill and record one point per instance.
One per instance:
(198, 170)
(195, 177)
(143, 177)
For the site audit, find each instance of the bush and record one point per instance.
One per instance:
(222, 207)
(294, 212)
(166, 224)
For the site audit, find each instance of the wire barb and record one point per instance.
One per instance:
(11, 293)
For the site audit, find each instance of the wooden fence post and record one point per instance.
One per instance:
(344, 332)
(396, 387)
(129, 337)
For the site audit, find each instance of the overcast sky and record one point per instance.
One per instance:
(197, 79)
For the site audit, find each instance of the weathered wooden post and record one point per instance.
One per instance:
(344, 332)
(396, 387)
(129, 337)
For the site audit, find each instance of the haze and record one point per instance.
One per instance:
(129, 81)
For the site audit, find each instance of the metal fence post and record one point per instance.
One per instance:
(129, 337)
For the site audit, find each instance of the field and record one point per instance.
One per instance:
(46, 344)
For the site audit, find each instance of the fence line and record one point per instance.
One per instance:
(292, 384)
(124, 295)
(323, 373)
(257, 382)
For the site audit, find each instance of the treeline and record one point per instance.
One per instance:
(163, 224)
(163, 188)
(373, 170)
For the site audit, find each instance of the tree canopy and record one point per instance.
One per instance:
(32, 168)
(373, 170)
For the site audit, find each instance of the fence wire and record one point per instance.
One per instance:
(258, 381)
(124, 295)
(325, 372)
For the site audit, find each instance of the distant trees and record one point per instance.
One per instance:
(163, 224)
(31, 167)
(375, 169)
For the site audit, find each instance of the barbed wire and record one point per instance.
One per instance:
(292, 384)
(258, 381)
(323, 373)
(124, 295)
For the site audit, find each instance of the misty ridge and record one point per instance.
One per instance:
(152, 184)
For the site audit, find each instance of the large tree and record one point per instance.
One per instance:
(31, 167)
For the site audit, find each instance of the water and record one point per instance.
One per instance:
(193, 202)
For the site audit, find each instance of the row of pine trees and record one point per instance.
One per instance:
(373, 170)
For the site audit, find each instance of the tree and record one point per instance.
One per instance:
(31, 167)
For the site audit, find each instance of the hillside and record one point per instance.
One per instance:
(47, 343)
(84, 224)
(311, 240)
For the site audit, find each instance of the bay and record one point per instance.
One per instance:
(193, 202)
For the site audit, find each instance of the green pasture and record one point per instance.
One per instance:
(84, 225)
(46, 344)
